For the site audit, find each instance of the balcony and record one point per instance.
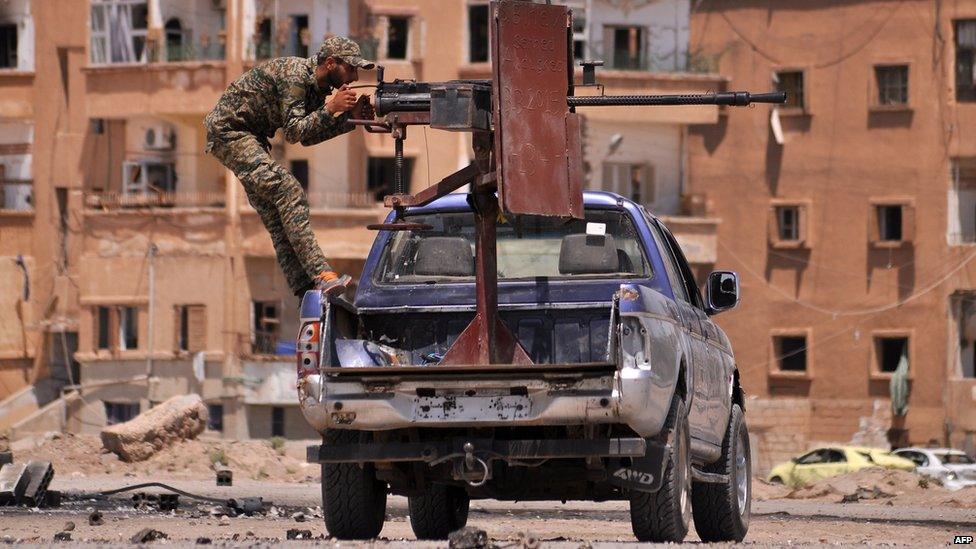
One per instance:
(107, 201)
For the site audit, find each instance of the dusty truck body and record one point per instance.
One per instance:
(633, 393)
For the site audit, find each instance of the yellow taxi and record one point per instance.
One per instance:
(830, 461)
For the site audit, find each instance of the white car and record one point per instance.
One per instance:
(953, 468)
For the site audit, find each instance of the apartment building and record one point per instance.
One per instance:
(849, 213)
(132, 267)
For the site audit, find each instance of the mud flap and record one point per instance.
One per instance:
(643, 474)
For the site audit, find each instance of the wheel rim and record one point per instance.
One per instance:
(741, 474)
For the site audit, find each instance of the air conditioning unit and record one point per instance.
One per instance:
(159, 137)
(18, 196)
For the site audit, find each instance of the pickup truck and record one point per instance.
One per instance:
(633, 393)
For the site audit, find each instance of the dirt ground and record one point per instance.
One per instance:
(891, 508)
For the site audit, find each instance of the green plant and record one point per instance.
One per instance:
(218, 457)
(278, 445)
(260, 475)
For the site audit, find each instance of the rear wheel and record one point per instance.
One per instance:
(353, 501)
(722, 510)
(439, 510)
(664, 515)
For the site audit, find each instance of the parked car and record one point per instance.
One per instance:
(953, 468)
(633, 392)
(830, 461)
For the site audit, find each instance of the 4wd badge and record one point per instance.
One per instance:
(633, 475)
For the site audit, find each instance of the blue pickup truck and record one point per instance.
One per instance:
(633, 393)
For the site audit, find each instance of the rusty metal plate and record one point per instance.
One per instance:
(530, 72)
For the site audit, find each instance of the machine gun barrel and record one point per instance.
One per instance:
(737, 99)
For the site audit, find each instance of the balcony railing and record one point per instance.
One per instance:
(118, 200)
(203, 50)
(17, 195)
(271, 344)
(342, 200)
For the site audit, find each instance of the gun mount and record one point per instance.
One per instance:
(526, 140)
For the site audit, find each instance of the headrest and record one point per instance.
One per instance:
(444, 256)
(588, 254)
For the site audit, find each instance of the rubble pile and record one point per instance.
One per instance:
(179, 418)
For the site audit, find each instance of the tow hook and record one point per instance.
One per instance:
(468, 472)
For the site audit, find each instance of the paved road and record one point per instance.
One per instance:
(775, 522)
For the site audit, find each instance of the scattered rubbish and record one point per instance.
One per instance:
(224, 521)
(468, 537)
(204, 541)
(296, 533)
(181, 417)
(68, 526)
(864, 493)
(225, 477)
(298, 517)
(147, 535)
(95, 519)
(249, 506)
(527, 541)
(62, 536)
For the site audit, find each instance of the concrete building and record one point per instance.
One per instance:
(131, 266)
(849, 213)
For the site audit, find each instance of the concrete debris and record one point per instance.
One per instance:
(39, 474)
(62, 536)
(13, 483)
(95, 519)
(468, 537)
(147, 535)
(224, 521)
(6, 457)
(298, 517)
(864, 493)
(528, 541)
(295, 533)
(225, 477)
(179, 418)
(68, 526)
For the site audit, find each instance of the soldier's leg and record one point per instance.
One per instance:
(298, 279)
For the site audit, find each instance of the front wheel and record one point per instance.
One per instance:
(353, 500)
(722, 510)
(664, 515)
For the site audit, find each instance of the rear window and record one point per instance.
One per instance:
(603, 245)
(955, 459)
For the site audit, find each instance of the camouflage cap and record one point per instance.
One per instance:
(345, 49)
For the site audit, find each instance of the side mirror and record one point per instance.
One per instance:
(722, 291)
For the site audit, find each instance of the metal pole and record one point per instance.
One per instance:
(152, 308)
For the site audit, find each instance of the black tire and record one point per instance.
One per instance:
(438, 511)
(722, 511)
(353, 501)
(776, 480)
(664, 515)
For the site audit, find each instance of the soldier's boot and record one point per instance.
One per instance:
(331, 282)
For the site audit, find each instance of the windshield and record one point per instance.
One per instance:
(955, 459)
(603, 245)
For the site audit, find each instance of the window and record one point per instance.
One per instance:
(889, 220)
(298, 39)
(8, 46)
(965, 37)
(299, 168)
(788, 224)
(145, 176)
(267, 324)
(790, 353)
(215, 419)
(176, 43)
(103, 328)
(379, 175)
(792, 83)
(627, 47)
(579, 33)
(917, 458)
(118, 31)
(687, 277)
(891, 353)
(964, 312)
(962, 201)
(120, 412)
(128, 328)
(635, 181)
(892, 84)
(670, 266)
(277, 421)
(263, 46)
(191, 328)
(478, 33)
(397, 37)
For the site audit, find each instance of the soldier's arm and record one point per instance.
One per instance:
(314, 127)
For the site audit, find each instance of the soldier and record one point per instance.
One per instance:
(288, 93)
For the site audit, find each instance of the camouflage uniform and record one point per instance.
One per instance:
(281, 93)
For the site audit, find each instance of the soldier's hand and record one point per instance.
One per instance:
(342, 100)
(363, 109)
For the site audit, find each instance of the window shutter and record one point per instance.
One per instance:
(773, 224)
(907, 223)
(874, 224)
(801, 220)
(415, 42)
(196, 328)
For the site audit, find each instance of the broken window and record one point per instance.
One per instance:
(299, 169)
(889, 219)
(962, 201)
(118, 31)
(191, 328)
(277, 421)
(890, 353)
(267, 325)
(791, 353)
(143, 177)
(120, 412)
(964, 312)
(128, 328)
(788, 223)
(397, 37)
(379, 175)
(215, 419)
(965, 39)
(892, 83)
(791, 82)
(635, 181)
(478, 33)
(8, 46)
(627, 49)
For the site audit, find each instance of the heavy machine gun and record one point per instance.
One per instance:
(526, 140)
